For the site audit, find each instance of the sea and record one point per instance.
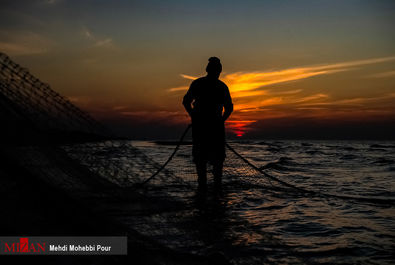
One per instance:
(255, 219)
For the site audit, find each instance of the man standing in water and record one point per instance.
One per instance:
(209, 104)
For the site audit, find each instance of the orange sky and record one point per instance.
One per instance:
(129, 63)
(260, 95)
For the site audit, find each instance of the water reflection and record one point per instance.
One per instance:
(250, 224)
(212, 222)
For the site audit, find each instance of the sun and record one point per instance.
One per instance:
(239, 127)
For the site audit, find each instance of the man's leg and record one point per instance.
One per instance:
(217, 172)
(201, 168)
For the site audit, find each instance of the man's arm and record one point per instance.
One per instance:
(187, 101)
(228, 105)
(228, 111)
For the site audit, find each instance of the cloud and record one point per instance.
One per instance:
(382, 75)
(97, 42)
(121, 107)
(18, 49)
(255, 100)
(244, 94)
(18, 43)
(248, 84)
(252, 81)
(311, 98)
(318, 106)
(87, 34)
(188, 77)
(288, 92)
(180, 88)
(354, 101)
(107, 43)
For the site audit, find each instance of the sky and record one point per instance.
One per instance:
(295, 69)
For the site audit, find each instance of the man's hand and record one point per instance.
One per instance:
(188, 106)
(227, 112)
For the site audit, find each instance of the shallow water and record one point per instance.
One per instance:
(306, 229)
(253, 220)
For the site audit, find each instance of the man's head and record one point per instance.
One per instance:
(214, 67)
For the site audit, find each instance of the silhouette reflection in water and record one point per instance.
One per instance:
(212, 220)
(209, 104)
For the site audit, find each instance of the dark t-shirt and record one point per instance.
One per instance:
(209, 96)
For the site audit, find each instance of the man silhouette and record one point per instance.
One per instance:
(209, 104)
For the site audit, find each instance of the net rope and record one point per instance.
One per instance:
(118, 160)
(132, 166)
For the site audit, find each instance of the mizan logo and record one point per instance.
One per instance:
(23, 246)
